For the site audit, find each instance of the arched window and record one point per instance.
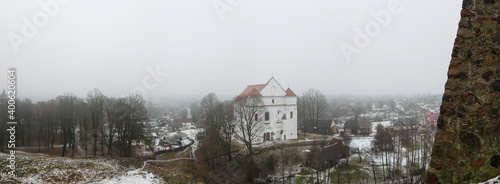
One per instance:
(266, 116)
(273, 101)
(291, 114)
(256, 117)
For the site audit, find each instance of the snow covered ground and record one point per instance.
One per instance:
(191, 133)
(374, 126)
(39, 168)
(361, 143)
(133, 177)
(43, 169)
(492, 180)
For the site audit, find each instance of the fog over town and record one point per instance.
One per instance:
(110, 45)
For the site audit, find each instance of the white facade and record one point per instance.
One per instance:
(280, 110)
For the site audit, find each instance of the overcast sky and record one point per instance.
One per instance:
(202, 46)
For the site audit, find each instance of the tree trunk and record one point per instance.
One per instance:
(86, 143)
(102, 145)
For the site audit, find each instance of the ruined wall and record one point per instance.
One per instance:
(467, 143)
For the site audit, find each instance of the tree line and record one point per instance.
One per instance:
(78, 123)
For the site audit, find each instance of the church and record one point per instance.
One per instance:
(280, 110)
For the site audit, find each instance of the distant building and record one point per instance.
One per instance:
(431, 118)
(365, 127)
(402, 124)
(362, 127)
(326, 127)
(280, 109)
(183, 124)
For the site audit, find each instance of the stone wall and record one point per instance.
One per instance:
(467, 143)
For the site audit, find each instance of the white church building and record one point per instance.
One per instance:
(280, 110)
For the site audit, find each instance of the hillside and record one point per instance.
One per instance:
(43, 169)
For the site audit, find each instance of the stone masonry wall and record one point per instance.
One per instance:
(467, 143)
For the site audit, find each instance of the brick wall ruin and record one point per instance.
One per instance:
(467, 143)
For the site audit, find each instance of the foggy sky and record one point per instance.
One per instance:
(110, 44)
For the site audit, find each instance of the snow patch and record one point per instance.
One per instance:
(361, 143)
(492, 180)
(133, 177)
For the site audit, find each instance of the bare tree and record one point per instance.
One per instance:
(40, 122)
(184, 113)
(26, 116)
(356, 113)
(208, 107)
(115, 113)
(249, 112)
(50, 117)
(315, 105)
(84, 122)
(67, 114)
(195, 112)
(225, 121)
(133, 128)
(347, 145)
(95, 100)
(370, 160)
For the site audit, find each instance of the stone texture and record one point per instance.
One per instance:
(467, 142)
(464, 33)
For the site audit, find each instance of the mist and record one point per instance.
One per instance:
(190, 48)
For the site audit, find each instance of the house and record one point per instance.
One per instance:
(325, 127)
(186, 123)
(431, 118)
(350, 126)
(280, 110)
(401, 124)
(329, 156)
(140, 150)
(336, 128)
(176, 126)
(363, 127)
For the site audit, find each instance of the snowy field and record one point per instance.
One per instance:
(42, 169)
(133, 177)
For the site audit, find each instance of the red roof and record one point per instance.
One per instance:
(433, 117)
(365, 124)
(289, 92)
(335, 141)
(253, 90)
